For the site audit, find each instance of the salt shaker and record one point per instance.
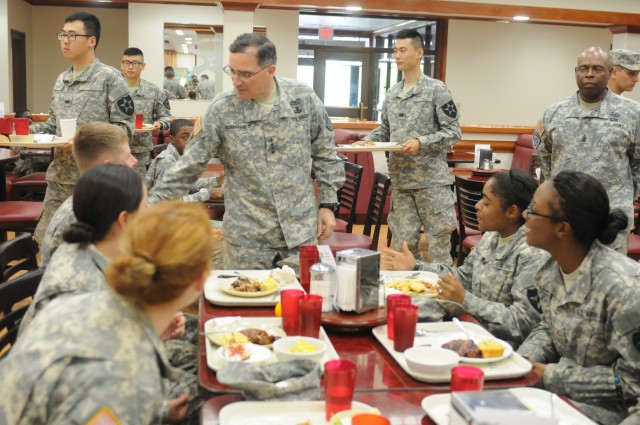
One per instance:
(323, 283)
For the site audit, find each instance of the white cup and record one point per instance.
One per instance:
(68, 128)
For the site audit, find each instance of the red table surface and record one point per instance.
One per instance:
(377, 370)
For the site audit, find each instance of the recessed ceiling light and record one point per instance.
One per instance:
(188, 38)
(520, 18)
(179, 32)
(189, 42)
(353, 8)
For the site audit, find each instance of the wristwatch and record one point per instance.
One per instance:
(332, 207)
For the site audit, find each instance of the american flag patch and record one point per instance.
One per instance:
(539, 128)
(104, 417)
(197, 127)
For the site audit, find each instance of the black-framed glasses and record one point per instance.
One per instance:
(71, 37)
(531, 211)
(243, 75)
(134, 64)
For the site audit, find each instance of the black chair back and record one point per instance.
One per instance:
(375, 211)
(348, 193)
(468, 193)
(17, 254)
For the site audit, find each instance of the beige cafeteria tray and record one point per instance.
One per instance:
(378, 147)
(513, 366)
(214, 361)
(215, 296)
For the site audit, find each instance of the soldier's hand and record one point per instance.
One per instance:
(67, 147)
(178, 409)
(326, 223)
(451, 289)
(538, 369)
(411, 147)
(157, 125)
(359, 143)
(221, 178)
(216, 193)
(175, 328)
(394, 260)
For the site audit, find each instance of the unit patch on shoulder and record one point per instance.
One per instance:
(105, 416)
(125, 104)
(450, 109)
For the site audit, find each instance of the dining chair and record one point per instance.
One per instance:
(18, 217)
(17, 254)
(28, 186)
(348, 197)
(11, 293)
(468, 193)
(369, 239)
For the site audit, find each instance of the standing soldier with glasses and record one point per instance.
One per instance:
(149, 100)
(596, 132)
(88, 91)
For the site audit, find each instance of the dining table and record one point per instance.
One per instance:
(380, 380)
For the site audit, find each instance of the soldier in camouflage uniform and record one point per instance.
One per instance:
(206, 90)
(97, 357)
(625, 66)
(270, 134)
(181, 131)
(95, 143)
(495, 284)
(149, 100)
(419, 113)
(88, 91)
(172, 88)
(594, 131)
(587, 347)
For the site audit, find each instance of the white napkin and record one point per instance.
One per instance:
(346, 293)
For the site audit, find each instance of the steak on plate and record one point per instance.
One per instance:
(464, 348)
(258, 336)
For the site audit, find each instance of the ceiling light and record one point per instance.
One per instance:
(188, 38)
(520, 18)
(189, 42)
(179, 32)
(353, 8)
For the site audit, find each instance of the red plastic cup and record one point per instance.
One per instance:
(392, 301)
(308, 257)
(467, 378)
(139, 118)
(22, 126)
(405, 319)
(339, 381)
(310, 312)
(6, 126)
(369, 419)
(290, 299)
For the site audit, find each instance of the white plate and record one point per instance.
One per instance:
(35, 141)
(215, 362)
(238, 325)
(279, 412)
(443, 338)
(437, 407)
(257, 354)
(225, 286)
(214, 295)
(512, 367)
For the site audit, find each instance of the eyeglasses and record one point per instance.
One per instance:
(597, 70)
(243, 75)
(71, 37)
(134, 64)
(530, 211)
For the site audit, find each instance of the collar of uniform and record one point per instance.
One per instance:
(97, 257)
(68, 77)
(254, 112)
(601, 111)
(580, 292)
(508, 249)
(422, 80)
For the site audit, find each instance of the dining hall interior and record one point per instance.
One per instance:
(504, 62)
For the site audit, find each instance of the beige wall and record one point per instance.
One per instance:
(510, 73)
(19, 13)
(48, 61)
(623, 6)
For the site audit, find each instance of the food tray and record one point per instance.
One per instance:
(215, 296)
(379, 146)
(539, 401)
(279, 412)
(512, 367)
(215, 362)
(34, 141)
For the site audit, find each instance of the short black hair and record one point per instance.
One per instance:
(416, 38)
(204, 76)
(91, 24)
(514, 187)
(23, 113)
(133, 51)
(266, 49)
(168, 68)
(176, 125)
(583, 203)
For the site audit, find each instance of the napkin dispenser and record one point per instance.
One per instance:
(358, 272)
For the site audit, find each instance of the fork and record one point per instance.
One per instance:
(457, 322)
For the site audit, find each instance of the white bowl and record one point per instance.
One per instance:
(431, 360)
(282, 347)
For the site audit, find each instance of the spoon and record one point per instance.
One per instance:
(412, 275)
(459, 324)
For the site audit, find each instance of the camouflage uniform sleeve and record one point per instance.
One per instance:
(382, 133)
(539, 347)
(154, 173)
(49, 126)
(543, 144)
(328, 168)
(121, 105)
(617, 382)
(201, 195)
(634, 159)
(463, 273)
(162, 110)
(447, 116)
(516, 321)
(204, 183)
(176, 180)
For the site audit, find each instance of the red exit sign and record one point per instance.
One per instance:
(325, 33)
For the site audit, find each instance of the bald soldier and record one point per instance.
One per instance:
(625, 65)
(596, 132)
